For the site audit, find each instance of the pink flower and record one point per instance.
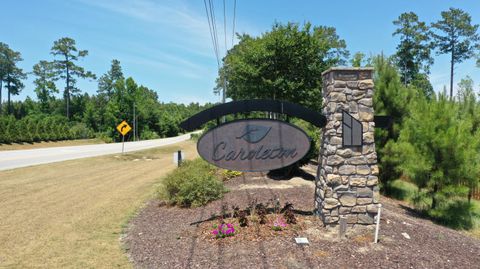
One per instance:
(215, 232)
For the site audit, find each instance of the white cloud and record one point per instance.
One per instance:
(188, 28)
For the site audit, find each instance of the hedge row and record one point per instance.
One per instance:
(32, 129)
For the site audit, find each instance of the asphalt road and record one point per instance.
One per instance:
(21, 158)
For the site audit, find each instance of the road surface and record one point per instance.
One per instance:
(21, 158)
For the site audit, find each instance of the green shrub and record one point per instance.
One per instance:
(192, 184)
(147, 134)
(457, 214)
(105, 137)
(195, 136)
(81, 131)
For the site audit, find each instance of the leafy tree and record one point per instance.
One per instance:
(3, 68)
(106, 83)
(436, 148)
(391, 98)
(91, 117)
(284, 64)
(357, 59)
(421, 82)
(465, 90)
(67, 68)
(4, 139)
(456, 36)
(11, 73)
(414, 50)
(470, 109)
(44, 83)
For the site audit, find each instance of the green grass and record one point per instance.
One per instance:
(71, 214)
(456, 212)
(401, 190)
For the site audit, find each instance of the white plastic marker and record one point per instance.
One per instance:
(301, 240)
(378, 222)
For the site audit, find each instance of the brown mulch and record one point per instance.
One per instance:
(163, 237)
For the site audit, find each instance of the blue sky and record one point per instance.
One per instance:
(166, 46)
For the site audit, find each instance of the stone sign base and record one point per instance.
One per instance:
(347, 178)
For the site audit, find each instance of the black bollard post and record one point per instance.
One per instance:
(179, 158)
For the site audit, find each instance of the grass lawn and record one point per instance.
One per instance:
(403, 190)
(63, 143)
(71, 214)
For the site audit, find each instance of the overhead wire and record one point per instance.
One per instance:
(211, 32)
(212, 26)
(225, 26)
(234, 15)
(226, 49)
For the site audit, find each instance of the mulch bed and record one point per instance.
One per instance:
(164, 237)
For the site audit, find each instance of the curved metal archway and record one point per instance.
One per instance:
(244, 106)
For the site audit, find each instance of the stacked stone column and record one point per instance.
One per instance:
(347, 177)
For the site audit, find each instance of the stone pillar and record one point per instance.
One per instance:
(347, 177)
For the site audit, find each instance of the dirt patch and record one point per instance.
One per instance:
(163, 237)
(284, 184)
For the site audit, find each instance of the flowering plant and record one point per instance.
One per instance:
(279, 224)
(224, 230)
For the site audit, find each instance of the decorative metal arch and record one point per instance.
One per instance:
(244, 106)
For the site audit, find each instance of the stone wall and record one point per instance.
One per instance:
(347, 178)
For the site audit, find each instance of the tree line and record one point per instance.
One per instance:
(77, 114)
(434, 140)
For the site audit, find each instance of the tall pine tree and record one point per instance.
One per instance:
(68, 54)
(457, 36)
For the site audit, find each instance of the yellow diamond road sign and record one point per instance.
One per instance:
(124, 128)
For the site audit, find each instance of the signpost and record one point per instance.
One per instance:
(123, 128)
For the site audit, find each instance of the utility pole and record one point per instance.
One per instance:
(224, 119)
(134, 124)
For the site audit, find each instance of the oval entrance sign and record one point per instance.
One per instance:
(254, 145)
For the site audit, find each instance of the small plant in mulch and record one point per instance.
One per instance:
(235, 210)
(288, 213)
(279, 224)
(223, 230)
(242, 218)
(224, 211)
(276, 204)
(262, 213)
(250, 210)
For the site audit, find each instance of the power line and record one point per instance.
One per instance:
(226, 49)
(212, 34)
(225, 27)
(214, 27)
(234, 15)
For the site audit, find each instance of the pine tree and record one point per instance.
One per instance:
(435, 148)
(45, 83)
(413, 52)
(67, 68)
(456, 36)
